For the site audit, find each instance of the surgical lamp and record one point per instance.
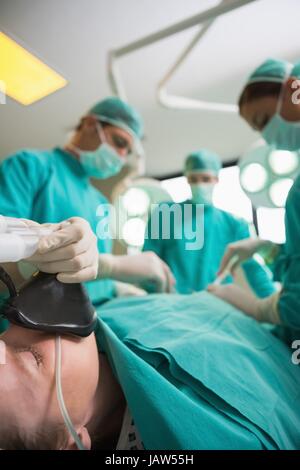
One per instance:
(133, 206)
(267, 174)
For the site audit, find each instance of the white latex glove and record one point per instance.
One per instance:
(145, 269)
(263, 310)
(243, 249)
(71, 251)
(128, 290)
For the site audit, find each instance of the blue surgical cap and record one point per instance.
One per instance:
(273, 70)
(203, 160)
(117, 112)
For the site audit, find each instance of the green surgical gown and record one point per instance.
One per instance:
(195, 269)
(51, 186)
(288, 265)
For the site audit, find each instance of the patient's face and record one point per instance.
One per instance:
(27, 379)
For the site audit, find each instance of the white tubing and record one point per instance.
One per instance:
(60, 396)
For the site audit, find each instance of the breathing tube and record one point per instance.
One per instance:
(60, 397)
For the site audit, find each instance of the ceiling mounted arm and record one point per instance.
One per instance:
(114, 76)
(182, 102)
(206, 17)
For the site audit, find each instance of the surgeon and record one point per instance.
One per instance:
(196, 268)
(49, 186)
(270, 104)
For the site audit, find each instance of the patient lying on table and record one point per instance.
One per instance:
(194, 372)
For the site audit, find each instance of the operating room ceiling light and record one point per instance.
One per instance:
(133, 204)
(133, 232)
(136, 201)
(278, 191)
(253, 177)
(27, 79)
(283, 162)
(267, 174)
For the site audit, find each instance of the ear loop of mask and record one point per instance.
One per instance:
(60, 396)
(101, 133)
(103, 139)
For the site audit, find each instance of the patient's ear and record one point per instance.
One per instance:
(84, 437)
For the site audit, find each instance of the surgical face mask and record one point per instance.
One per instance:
(103, 162)
(280, 133)
(283, 134)
(202, 193)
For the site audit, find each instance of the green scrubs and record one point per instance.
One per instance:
(288, 264)
(51, 186)
(199, 374)
(194, 270)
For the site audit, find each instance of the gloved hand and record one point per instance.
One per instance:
(70, 250)
(144, 269)
(243, 249)
(263, 310)
(128, 290)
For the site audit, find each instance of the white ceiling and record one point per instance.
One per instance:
(73, 36)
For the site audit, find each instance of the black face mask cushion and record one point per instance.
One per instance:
(43, 303)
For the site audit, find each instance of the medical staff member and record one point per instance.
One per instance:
(270, 104)
(54, 185)
(195, 269)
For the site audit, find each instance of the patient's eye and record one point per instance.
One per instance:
(35, 353)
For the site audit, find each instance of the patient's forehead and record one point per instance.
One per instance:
(20, 334)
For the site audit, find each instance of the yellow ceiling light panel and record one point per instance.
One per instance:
(27, 79)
